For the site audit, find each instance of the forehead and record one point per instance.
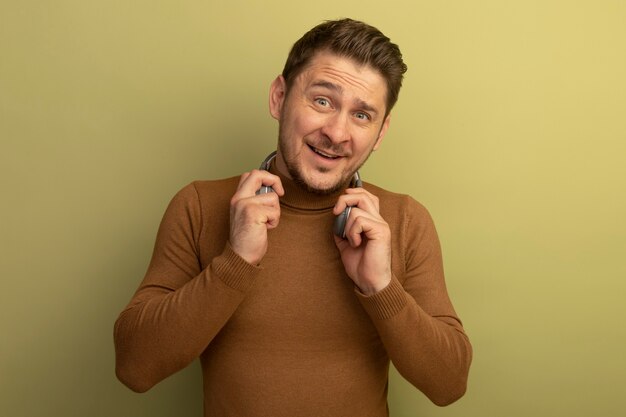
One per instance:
(351, 77)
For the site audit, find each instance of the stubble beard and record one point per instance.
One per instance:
(295, 171)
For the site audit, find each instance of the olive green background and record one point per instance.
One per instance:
(511, 129)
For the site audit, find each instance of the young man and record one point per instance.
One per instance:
(289, 319)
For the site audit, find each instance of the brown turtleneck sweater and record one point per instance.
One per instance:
(291, 336)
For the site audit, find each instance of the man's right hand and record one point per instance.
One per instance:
(252, 215)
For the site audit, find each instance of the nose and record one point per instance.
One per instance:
(336, 127)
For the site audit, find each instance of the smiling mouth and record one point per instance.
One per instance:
(323, 154)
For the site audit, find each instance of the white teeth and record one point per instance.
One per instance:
(325, 155)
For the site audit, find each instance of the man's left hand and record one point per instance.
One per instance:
(366, 250)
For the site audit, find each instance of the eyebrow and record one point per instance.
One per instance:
(339, 89)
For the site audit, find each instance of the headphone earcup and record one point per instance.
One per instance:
(339, 226)
(264, 190)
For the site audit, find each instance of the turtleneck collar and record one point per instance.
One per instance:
(299, 198)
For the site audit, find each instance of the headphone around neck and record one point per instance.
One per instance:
(339, 225)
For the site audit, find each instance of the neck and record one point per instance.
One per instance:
(297, 196)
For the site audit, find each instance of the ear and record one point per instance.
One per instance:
(278, 91)
(383, 130)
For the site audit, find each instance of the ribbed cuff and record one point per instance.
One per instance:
(386, 303)
(233, 270)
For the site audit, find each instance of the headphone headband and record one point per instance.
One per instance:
(265, 165)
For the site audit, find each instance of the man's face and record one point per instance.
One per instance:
(330, 121)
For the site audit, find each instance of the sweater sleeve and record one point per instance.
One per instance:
(415, 318)
(179, 307)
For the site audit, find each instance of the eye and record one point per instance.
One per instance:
(322, 101)
(362, 116)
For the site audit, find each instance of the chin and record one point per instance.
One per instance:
(330, 186)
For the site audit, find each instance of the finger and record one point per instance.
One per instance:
(364, 201)
(254, 205)
(243, 177)
(341, 243)
(251, 213)
(354, 236)
(362, 225)
(267, 199)
(273, 217)
(354, 229)
(362, 191)
(252, 181)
